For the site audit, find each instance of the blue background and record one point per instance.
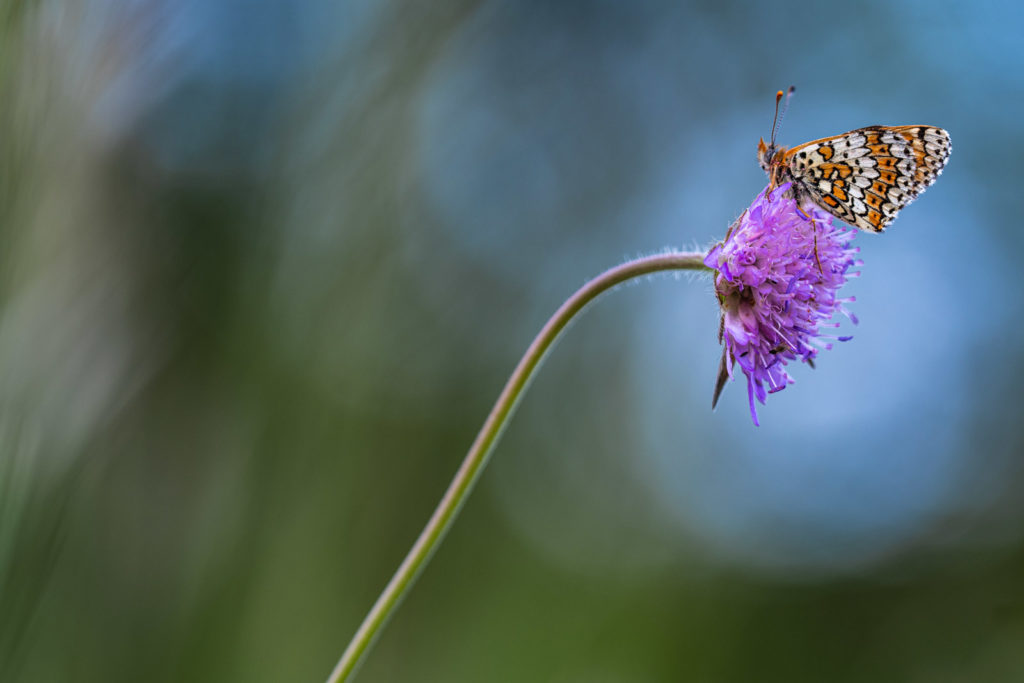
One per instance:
(266, 265)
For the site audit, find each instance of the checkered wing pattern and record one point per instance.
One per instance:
(866, 176)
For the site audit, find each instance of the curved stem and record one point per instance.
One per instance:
(476, 458)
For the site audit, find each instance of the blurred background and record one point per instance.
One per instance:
(265, 266)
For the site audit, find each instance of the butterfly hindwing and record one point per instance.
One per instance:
(866, 176)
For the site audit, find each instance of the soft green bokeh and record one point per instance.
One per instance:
(264, 267)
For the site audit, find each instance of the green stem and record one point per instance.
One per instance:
(475, 460)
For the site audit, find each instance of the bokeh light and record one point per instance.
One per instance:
(266, 265)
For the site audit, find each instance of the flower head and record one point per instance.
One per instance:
(779, 270)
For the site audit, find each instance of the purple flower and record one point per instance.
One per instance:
(779, 270)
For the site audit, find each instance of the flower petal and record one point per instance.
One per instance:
(778, 274)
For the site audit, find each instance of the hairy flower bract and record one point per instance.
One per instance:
(779, 271)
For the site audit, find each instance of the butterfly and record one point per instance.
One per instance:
(863, 177)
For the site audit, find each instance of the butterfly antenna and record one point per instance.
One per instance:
(779, 115)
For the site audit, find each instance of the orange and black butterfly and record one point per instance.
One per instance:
(863, 177)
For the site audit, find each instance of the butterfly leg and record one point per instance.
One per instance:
(817, 259)
(814, 226)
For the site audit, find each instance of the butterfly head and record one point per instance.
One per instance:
(770, 155)
(766, 154)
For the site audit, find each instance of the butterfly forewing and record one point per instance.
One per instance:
(866, 176)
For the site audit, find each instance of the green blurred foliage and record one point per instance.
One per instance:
(243, 351)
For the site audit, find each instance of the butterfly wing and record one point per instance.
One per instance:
(931, 147)
(866, 176)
